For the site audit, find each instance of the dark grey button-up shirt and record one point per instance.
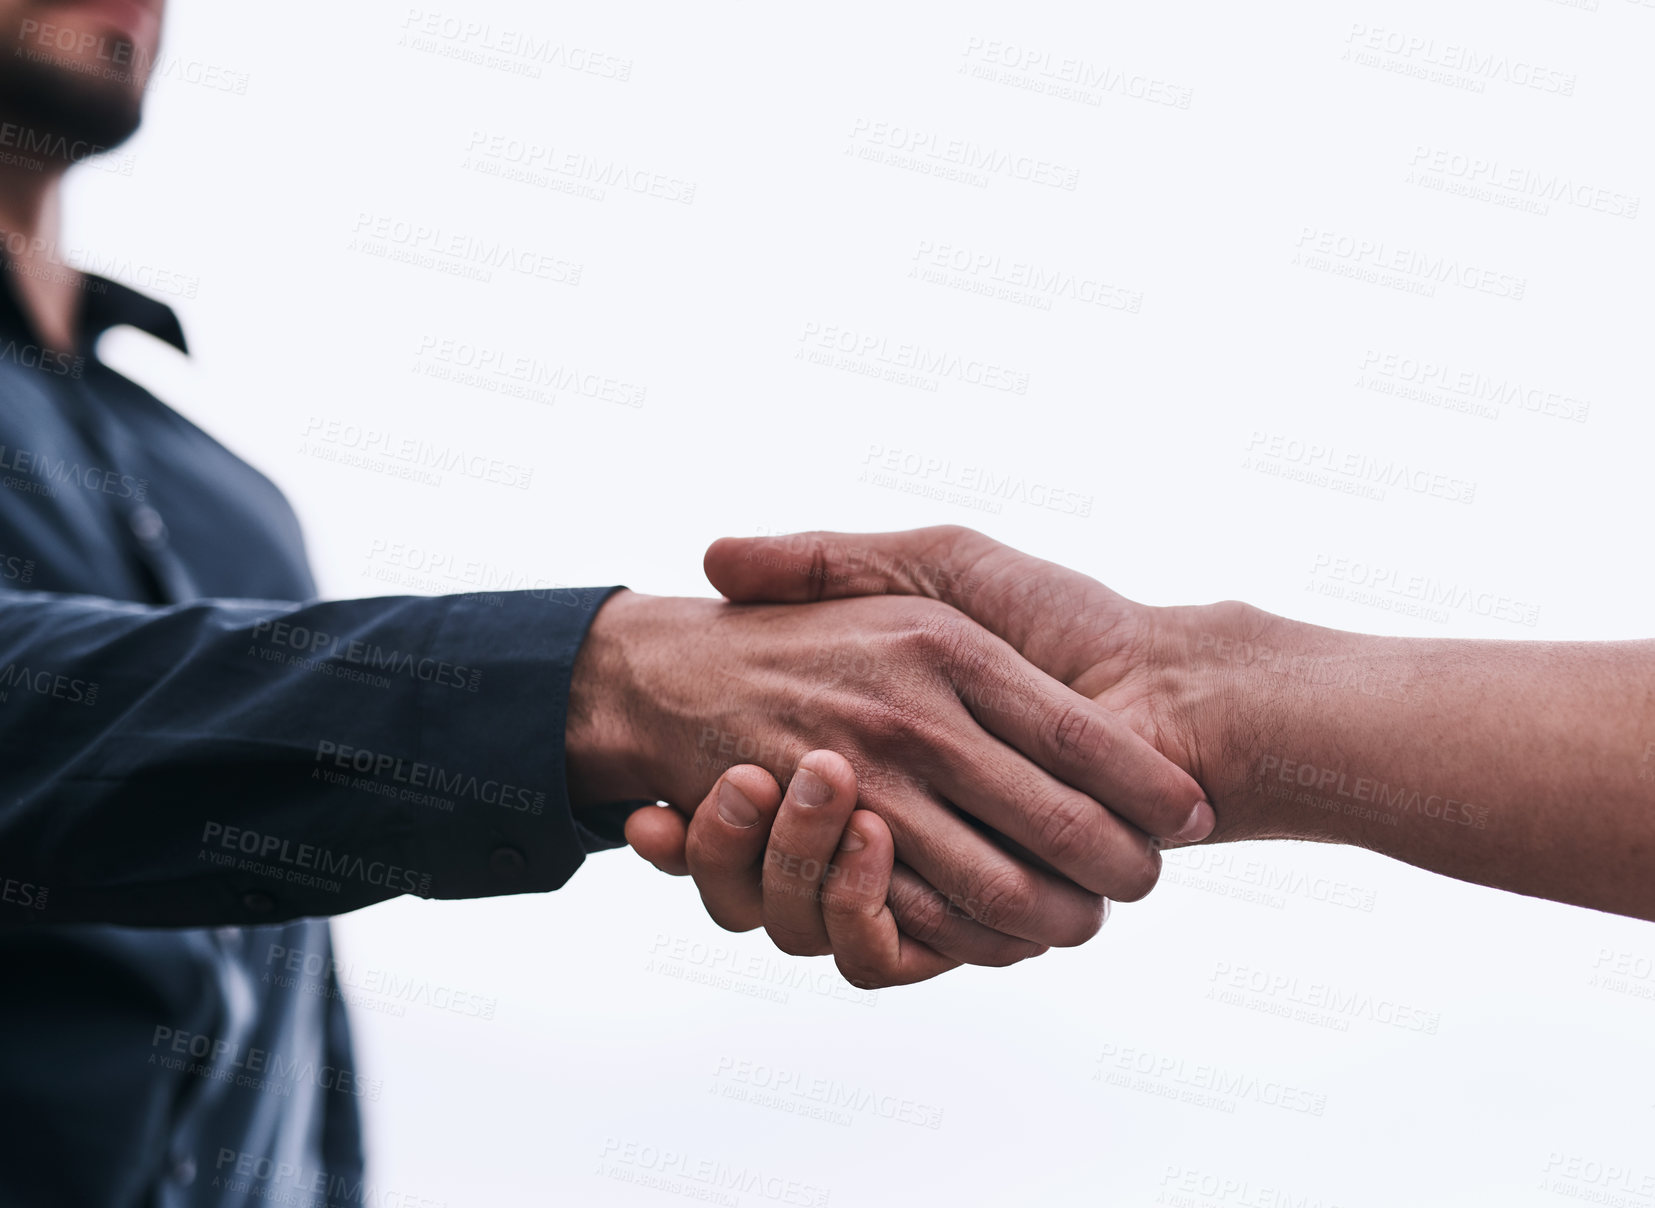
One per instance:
(198, 764)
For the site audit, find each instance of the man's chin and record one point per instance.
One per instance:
(69, 113)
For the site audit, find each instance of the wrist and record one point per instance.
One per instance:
(1234, 678)
(605, 759)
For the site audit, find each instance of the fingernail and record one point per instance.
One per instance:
(851, 841)
(1200, 824)
(734, 806)
(811, 789)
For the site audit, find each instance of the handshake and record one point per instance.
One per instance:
(979, 748)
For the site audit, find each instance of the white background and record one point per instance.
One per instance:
(630, 1036)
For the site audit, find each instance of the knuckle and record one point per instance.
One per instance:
(1007, 897)
(793, 941)
(864, 973)
(1078, 736)
(733, 919)
(895, 724)
(846, 895)
(940, 635)
(709, 858)
(1169, 810)
(698, 854)
(1140, 876)
(1067, 833)
(926, 916)
(921, 912)
(1078, 926)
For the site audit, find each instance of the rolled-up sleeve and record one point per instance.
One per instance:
(229, 762)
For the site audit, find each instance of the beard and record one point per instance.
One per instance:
(71, 111)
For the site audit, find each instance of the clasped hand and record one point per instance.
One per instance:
(970, 742)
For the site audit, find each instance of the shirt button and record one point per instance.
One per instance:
(183, 1171)
(258, 903)
(506, 863)
(148, 526)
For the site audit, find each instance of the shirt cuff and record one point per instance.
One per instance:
(496, 750)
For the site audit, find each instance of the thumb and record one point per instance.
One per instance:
(659, 833)
(805, 567)
(1026, 601)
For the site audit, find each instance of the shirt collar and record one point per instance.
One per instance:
(104, 304)
(110, 304)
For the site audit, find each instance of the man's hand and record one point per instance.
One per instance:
(937, 717)
(1123, 655)
(813, 869)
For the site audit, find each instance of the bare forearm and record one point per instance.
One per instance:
(1529, 766)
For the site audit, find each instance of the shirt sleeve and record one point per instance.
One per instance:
(233, 762)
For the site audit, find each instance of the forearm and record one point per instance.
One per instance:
(1529, 766)
(242, 762)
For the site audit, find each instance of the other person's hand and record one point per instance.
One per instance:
(1134, 660)
(949, 731)
(810, 867)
